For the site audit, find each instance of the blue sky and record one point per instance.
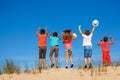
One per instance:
(19, 20)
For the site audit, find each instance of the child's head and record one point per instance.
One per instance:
(42, 31)
(55, 34)
(105, 39)
(67, 35)
(87, 32)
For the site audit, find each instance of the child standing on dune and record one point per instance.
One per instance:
(42, 46)
(87, 37)
(67, 40)
(54, 40)
(105, 45)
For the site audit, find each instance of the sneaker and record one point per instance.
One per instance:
(57, 66)
(90, 66)
(40, 68)
(71, 65)
(85, 66)
(66, 67)
(52, 65)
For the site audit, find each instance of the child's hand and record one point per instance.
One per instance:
(46, 27)
(110, 37)
(100, 39)
(62, 33)
(39, 28)
(79, 27)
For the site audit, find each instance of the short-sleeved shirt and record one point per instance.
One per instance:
(42, 40)
(87, 40)
(105, 46)
(68, 45)
(54, 41)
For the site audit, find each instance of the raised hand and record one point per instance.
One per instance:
(39, 28)
(79, 27)
(110, 37)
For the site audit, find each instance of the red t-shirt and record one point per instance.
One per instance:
(42, 39)
(105, 46)
(68, 45)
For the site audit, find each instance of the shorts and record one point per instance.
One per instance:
(54, 49)
(87, 51)
(42, 52)
(69, 50)
(106, 58)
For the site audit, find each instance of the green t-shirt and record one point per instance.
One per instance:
(54, 41)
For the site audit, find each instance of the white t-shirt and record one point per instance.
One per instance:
(87, 40)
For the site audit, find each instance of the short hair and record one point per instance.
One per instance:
(87, 32)
(42, 31)
(105, 39)
(55, 34)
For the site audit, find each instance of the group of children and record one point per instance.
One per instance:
(67, 37)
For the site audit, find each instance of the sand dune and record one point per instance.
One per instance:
(67, 74)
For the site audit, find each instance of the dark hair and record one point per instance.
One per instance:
(87, 32)
(42, 31)
(105, 39)
(55, 34)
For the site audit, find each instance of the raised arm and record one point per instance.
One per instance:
(93, 29)
(46, 30)
(112, 41)
(38, 30)
(99, 42)
(79, 28)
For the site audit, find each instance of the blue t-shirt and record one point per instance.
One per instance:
(54, 41)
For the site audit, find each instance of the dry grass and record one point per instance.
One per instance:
(10, 67)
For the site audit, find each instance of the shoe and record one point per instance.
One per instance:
(90, 66)
(85, 66)
(71, 65)
(57, 66)
(66, 67)
(52, 65)
(40, 68)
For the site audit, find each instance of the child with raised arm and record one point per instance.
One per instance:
(42, 45)
(67, 40)
(105, 45)
(87, 44)
(54, 40)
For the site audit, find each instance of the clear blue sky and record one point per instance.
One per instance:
(19, 20)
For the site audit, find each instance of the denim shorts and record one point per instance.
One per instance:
(87, 51)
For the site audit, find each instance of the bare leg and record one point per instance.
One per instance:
(85, 61)
(51, 60)
(56, 59)
(66, 59)
(70, 56)
(45, 66)
(40, 62)
(89, 60)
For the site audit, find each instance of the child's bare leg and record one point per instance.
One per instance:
(66, 59)
(51, 60)
(56, 59)
(85, 61)
(40, 62)
(45, 66)
(70, 56)
(71, 60)
(89, 60)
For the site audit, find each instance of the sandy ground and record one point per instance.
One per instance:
(67, 74)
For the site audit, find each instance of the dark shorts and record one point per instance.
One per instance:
(42, 52)
(87, 51)
(54, 49)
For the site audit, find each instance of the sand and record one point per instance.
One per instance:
(113, 73)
